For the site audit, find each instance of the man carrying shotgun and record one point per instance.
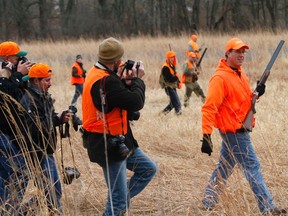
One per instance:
(191, 71)
(228, 102)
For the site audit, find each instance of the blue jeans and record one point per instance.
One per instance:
(50, 183)
(13, 174)
(174, 100)
(122, 191)
(78, 92)
(237, 149)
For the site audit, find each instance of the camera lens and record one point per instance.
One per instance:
(129, 64)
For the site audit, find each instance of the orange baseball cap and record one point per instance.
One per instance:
(194, 36)
(235, 44)
(40, 70)
(9, 48)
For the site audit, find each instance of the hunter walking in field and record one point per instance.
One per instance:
(190, 78)
(193, 46)
(227, 104)
(107, 104)
(77, 78)
(169, 80)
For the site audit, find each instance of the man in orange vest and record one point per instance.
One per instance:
(77, 78)
(170, 81)
(227, 104)
(193, 46)
(190, 77)
(108, 103)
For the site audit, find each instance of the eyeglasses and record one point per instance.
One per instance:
(240, 51)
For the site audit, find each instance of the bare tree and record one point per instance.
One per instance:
(272, 9)
(195, 12)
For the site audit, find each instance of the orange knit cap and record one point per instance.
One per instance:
(169, 55)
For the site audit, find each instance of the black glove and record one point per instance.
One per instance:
(260, 89)
(207, 144)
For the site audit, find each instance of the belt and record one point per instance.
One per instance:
(241, 130)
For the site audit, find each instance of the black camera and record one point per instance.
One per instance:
(69, 174)
(76, 121)
(118, 143)
(22, 59)
(129, 64)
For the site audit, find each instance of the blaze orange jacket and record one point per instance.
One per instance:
(228, 100)
(77, 80)
(92, 117)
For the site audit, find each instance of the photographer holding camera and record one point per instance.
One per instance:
(106, 103)
(42, 121)
(13, 175)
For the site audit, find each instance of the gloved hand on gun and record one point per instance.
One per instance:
(260, 88)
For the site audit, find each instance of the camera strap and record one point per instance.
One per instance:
(104, 104)
(62, 156)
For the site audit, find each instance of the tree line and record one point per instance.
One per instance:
(63, 19)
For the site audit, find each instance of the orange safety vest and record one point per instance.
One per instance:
(190, 67)
(228, 100)
(116, 120)
(77, 80)
(195, 49)
(173, 72)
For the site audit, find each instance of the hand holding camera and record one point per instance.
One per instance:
(138, 69)
(5, 69)
(132, 69)
(23, 65)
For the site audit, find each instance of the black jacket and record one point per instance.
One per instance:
(168, 76)
(130, 98)
(11, 91)
(41, 119)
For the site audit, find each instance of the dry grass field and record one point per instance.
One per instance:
(174, 141)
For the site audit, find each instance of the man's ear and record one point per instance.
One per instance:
(35, 81)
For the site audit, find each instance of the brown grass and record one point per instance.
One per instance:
(174, 142)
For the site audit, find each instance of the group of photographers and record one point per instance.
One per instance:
(28, 128)
(28, 134)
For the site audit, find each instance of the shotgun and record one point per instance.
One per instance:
(201, 58)
(247, 124)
